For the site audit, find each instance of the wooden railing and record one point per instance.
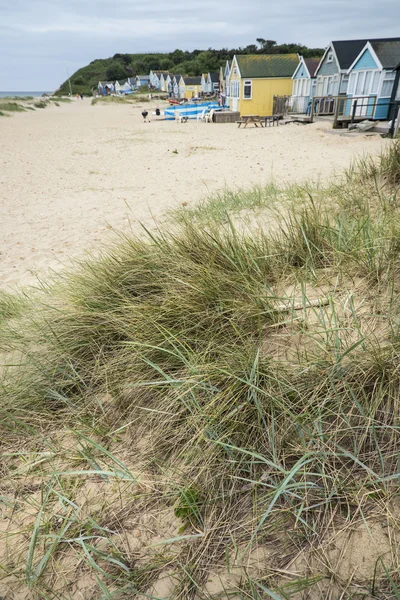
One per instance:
(342, 109)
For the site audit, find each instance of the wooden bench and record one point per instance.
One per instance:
(271, 120)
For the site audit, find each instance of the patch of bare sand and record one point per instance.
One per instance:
(72, 175)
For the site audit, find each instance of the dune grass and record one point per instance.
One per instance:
(125, 99)
(21, 105)
(17, 98)
(11, 106)
(244, 387)
(57, 99)
(12, 305)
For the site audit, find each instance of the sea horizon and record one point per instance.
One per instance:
(22, 94)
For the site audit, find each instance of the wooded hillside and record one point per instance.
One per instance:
(121, 66)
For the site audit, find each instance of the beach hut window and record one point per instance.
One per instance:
(375, 82)
(329, 58)
(235, 89)
(367, 83)
(360, 83)
(352, 83)
(247, 90)
(344, 84)
(387, 85)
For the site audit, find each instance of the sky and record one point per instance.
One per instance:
(40, 41)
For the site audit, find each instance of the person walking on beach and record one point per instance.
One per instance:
(144, 115)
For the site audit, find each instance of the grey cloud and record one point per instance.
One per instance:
(39, 39)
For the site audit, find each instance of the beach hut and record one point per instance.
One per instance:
(214, 82)
(155, 79)
(204, 83)
(227, 75)
(142, 80)
(372, 77)
(189, 87)
(224, 72)
(304, 82)
(105, 88)
(256, 78)
(163, 82)
(332, 71)
(173, 85)
(124, 86)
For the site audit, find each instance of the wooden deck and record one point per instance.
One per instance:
(343, 122)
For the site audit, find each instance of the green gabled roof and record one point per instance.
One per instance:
(267, 65)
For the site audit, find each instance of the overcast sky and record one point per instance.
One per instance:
(40, 39)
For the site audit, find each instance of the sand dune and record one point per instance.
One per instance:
(72, 175)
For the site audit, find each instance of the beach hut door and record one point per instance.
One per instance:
(234, 104)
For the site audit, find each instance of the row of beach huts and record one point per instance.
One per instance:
(354, 78)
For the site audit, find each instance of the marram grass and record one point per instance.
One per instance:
(246, 386)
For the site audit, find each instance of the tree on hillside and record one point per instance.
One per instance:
(177, 56)
(151, 63)
(125, 58)
(267, 46)
(166, 64)
(205, 62)
(115, 71)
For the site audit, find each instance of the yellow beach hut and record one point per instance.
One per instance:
(189, 87)
(256, 78)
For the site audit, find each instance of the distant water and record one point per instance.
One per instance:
(22, 94)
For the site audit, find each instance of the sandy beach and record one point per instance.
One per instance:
(71, 176)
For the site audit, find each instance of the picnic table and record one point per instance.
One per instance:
(248, 119)
(256, 120)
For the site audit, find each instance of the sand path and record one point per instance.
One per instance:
(71, 175)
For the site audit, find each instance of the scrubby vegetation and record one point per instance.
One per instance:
(121, 66)
(126, 99)
(57, 99)
(9, 105)
(213, 412)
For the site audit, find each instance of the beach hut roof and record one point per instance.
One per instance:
(214, 77)
(312, 65)
(192, 80)
(388, 51)
(267, 65)
(347, 50)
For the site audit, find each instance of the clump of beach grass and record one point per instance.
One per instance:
(57, 99)
(18, 98)
(125, 99)
(11, 106)
(244, 386)
(12, 304)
